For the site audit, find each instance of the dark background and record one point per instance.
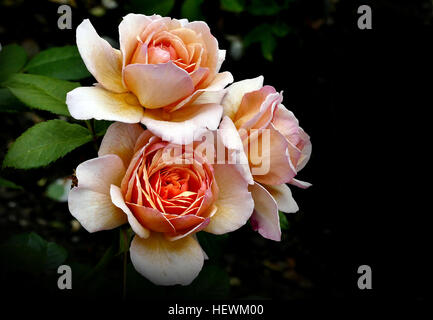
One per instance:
(360, 94)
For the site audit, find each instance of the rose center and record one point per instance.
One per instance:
(173, 184)
(153, 54)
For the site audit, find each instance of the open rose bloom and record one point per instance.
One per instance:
(165, 75)
(166, 193)
(276, 147)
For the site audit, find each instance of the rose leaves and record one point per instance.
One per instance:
(41, 84)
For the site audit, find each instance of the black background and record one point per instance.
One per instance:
(363, 96)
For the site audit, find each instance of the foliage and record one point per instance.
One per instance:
(63, 63)
(31, 253)
(44, 143)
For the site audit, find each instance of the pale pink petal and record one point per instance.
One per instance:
(257, 108)
(118, 201)
(165, 262)
(99, 173)
(236, 92)
(95, 102)
(265, 218)
(211, 45)
(283, 196)
(102, 61)
(158, 85)
(236, 154)
(131, 26)
(273, 166)
(185, 233)
(286, 123)
(120, 139)
(198, 75)
(94, 210)
(151, 218)
(300, 184)
(300, 145)
(185, 125)
(306, 150)
(221, 58)
(213, 93)
(234, 204)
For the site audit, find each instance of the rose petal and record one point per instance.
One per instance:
(131, 26)
(158, 85)
(283, 196)
(265, 218)
(102, 61)
(273, 166)
(306, 150)
(214, 93)
(257, 108)
(234, 204)
(95, 102)
(185, 125)
(235, 93)
(211, 45)
(300, 145)
(151, 218)
(99, 173)
(120, 139)
(185, 233)
(94, 210)
(221, 58)
(232, 141)
(118, 201)
(300, 184)
(166, 262)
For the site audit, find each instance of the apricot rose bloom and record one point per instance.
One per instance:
(165, 75)
(165, 197)
(255, 113)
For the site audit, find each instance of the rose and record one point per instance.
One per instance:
(166, 192)
(164, 75)
(253, 114)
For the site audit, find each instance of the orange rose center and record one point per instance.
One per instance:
(173, 183)
(154, 54)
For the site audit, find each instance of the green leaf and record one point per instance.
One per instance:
(12, 59)
(268, 46)
(55, 255)
(149, 7)
(9, 184)
(30, 252)
(9, 103)
(264, 7)
(284, 223)
(58, 190)
(41, 92)
(280, 29)
(103, 262)
(45, 142)
(191, 9)
(262, 34)
(63, 63)
(233, 5)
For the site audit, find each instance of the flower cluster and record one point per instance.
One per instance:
(211, 158)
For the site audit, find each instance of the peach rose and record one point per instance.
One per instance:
(166, 193)
(165, 75)
(253, 113)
